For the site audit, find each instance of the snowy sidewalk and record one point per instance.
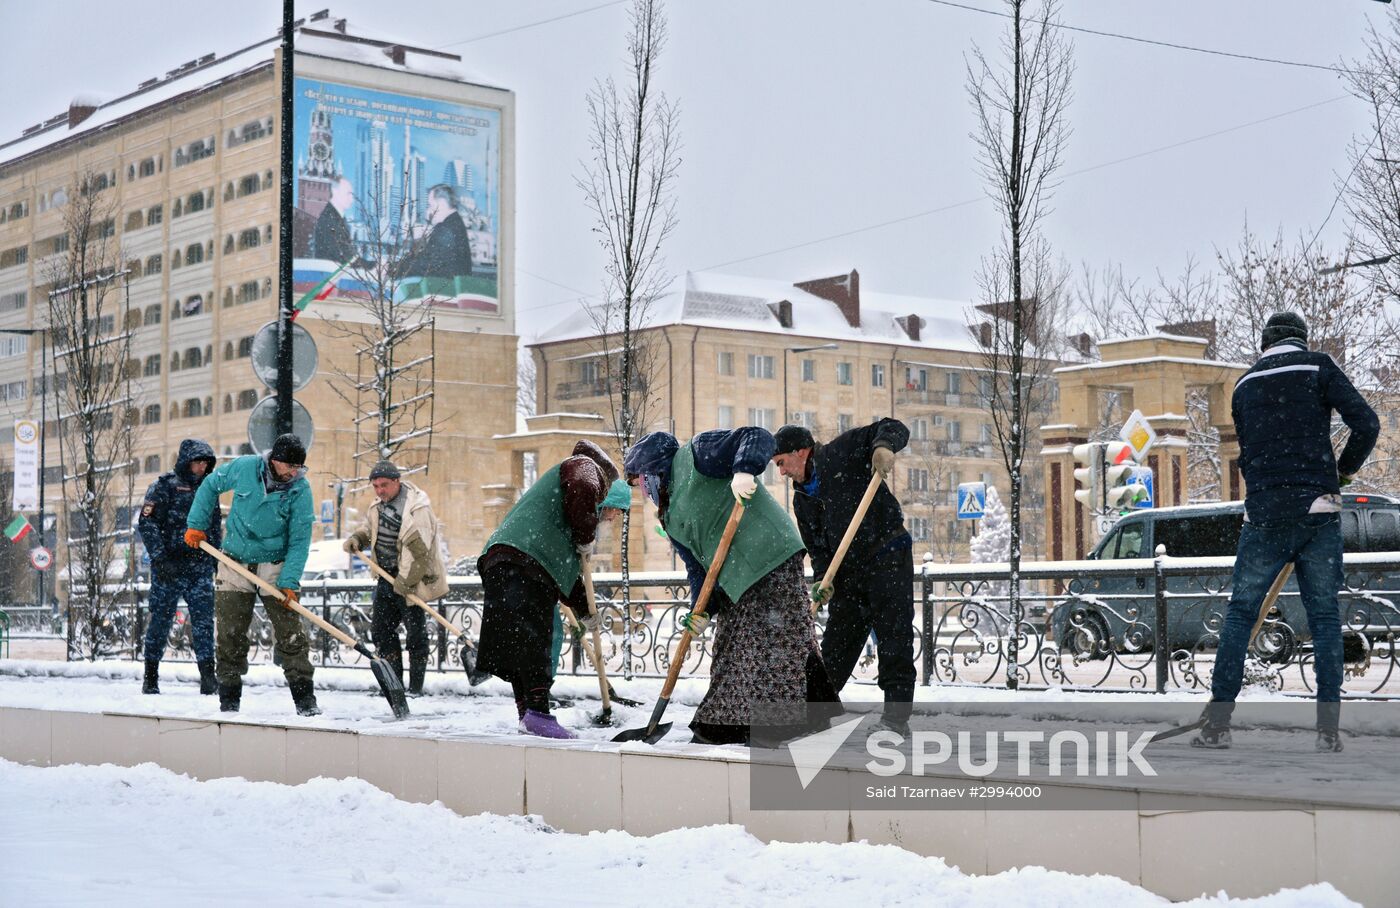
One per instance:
(79, 835)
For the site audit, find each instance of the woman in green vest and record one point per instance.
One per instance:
(764, 638)
(534, 560)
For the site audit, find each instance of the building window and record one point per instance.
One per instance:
(915, 379)
(877, 375)
(726, 363)
(133, 220)
(844, 422)
(249, 185)
(228, 403)
(194, 254)
(805, 418)
(12, 390)
(954, 430)
(760, 366)
(152, 464)
(985, 434)
(192, 359)
(153, 265)
(725, 417)
(152, 366)
(12, 302)
(588, 371)
(954, 383)
(918, 429)
(762, 417)
(918, 480)
(809, 370)
(247, 399)
(918, 528)
(843, 373)
(152, 315)
(984, 387)
(192, 408)
(245, 347)
(249, 239)
(194, 203)
(16, 255)
(147, 168)
(152, 415)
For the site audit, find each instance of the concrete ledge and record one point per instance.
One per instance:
(586, 786)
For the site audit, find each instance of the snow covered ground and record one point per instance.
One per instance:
(106, 835)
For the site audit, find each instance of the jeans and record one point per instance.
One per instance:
(1313, 545)
(391, 610)
(197, 589)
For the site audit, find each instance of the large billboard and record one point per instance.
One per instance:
(408, 187)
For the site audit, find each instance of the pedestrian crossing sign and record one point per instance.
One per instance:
(972, 500)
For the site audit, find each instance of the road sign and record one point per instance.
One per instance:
(304, 356)
(1142, 476)
(1104, 522)
(41, 558)
(327, 510)
(1138, 433)
(262, 424)
(972, 500)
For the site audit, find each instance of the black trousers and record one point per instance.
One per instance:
(391, 610)
(517, 625)
(878, 596)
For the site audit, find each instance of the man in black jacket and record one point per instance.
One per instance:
(874, 588)
(1282, 409)
(447, 250)
(176, 569)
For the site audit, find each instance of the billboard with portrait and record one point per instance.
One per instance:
(409, 188)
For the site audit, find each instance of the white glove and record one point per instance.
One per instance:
(743, 486)
(694, 623)
(591, 622)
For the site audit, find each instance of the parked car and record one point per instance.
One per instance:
(1370, 523)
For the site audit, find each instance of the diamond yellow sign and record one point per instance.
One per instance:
(1138, 434)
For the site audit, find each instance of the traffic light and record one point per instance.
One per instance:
(1089, 474)
(1118, 492)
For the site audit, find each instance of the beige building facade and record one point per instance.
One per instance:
(191, 165)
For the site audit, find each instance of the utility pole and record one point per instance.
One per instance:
(43, 335)
(284, 233)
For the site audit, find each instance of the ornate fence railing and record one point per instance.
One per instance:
(1084, 625)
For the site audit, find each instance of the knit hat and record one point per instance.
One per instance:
(1283, 326)
(288, 449)
(793, 438)
(385, 469)
(619, 496)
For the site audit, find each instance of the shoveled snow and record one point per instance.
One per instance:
(107, 835)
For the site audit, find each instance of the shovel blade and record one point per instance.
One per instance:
(1177, 732)
(622, 701)
(653, 731)
(391, 685)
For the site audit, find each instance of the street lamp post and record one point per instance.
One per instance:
(787, 486)
(43, 437)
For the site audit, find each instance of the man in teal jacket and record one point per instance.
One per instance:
(268, 530)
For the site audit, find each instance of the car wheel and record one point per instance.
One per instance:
(1089, 640)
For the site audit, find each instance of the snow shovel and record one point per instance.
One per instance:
(389, 681)
(655, 730)
(576, 626)
(468, 651)
(829, 577)
(1269, 599)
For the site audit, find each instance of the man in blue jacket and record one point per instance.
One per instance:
(269, 532)
(1282, 409)
(177, 571)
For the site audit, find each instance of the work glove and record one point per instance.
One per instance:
(743, 485)
(402, 586)
(695, 623)
(591, 622)
(821, 594)
(1344, 481)
(291, 596)
(882, 462)
(194, 537)
(351, 546)
(584, 549)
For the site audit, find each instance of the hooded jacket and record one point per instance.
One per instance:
(419, 562)
(163, 513)
(264, 527)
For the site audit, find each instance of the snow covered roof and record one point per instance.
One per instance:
(324, 36)
(713, 300)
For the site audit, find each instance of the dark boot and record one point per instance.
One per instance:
(304, 696)
(229, 696)
(1329, 738)
(1215, 733)
(208, 684)
(151, 683)
(417, 668)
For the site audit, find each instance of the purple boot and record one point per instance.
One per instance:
(543, 725)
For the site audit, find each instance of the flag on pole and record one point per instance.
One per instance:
(17, 528)
(322, 290)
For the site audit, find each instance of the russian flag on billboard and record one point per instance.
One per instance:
(17, 528)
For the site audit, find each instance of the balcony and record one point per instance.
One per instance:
(578, 390)
(965, 399)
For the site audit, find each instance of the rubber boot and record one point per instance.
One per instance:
(151, 683)
(1215, 733)
(417, 668)
(1329, 738)
(543, 725)
(304, 696)
(229, 696)
(208, 684)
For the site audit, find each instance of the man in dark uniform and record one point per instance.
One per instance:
(447, 250)
(178, 571)
(1282, 409)
(332, 239)
(874, 588)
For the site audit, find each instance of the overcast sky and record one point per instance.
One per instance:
(805, 119)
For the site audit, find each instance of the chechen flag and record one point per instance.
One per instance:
(17, 528)
(322, 290)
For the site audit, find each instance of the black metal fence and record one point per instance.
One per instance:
(1084, 625)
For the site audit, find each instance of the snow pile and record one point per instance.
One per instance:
(108, 835)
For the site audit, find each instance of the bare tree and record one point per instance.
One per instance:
(97, 419)
(629, 184)
(1020, 104)
(1372, 190)
(390, 386)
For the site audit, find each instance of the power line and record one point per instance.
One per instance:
(518, 28)
(1073, 173)
(1253, 58)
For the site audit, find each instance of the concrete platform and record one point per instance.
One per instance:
(587, 786)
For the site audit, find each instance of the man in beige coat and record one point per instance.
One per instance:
(401, 536)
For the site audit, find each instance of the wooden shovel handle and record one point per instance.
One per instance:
(711, 578)
(830, 576)
(597, 636)
(416, 600)
(274, 593)
(1270, 599)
